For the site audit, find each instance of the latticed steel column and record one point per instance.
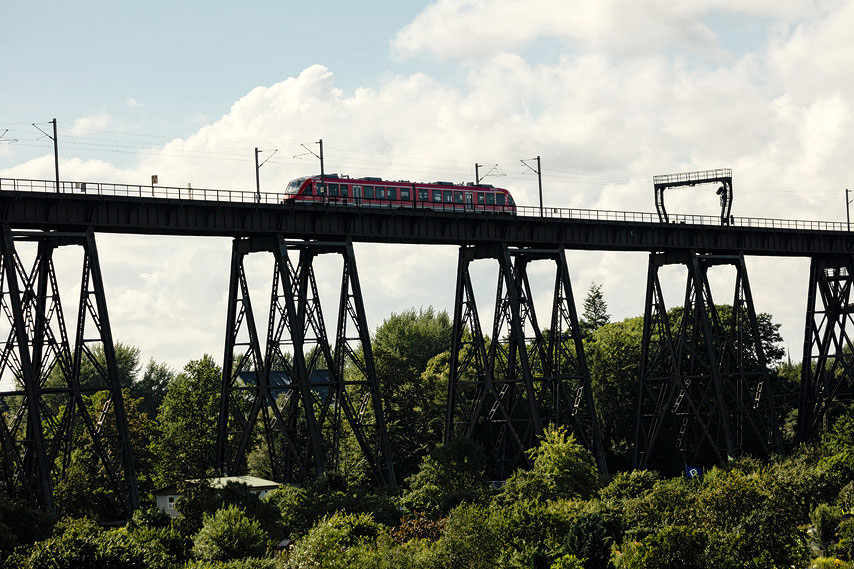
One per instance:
(826, 373)
(703, 386)
(502, 392)
(51, 413)
(307, 390)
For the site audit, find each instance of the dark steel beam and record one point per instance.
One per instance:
(115, 214)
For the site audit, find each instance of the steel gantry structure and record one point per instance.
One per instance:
(703, 387)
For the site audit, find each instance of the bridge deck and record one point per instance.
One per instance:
(116, 208)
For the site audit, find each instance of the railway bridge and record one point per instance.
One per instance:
(703, 389)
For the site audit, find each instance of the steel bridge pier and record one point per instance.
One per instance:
(53, 410)
(504, 389)
(828, 354)
(703, 379)
(301, 392)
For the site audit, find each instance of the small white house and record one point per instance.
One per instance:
(167, 496)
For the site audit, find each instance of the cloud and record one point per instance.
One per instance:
(777, 115)
(96, 122)
(132, 103)
(462, 28)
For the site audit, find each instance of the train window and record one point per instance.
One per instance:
(510, 200)
(490, 199)
(449, 196)
(437, 196)
(369, 192)
(404, 195)
(380, 193)
(458, 197)
(308, 189)
(499, 199)
(344, 190)
(480, 198)
(391, 193)
(333, 190)
(423, 195)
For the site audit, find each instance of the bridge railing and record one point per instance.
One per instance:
(268, 198)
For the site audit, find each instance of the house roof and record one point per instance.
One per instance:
(253, 482)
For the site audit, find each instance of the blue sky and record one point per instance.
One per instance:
(608, 93)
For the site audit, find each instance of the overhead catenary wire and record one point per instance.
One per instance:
(340, 157)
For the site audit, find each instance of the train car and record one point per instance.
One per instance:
(376, 192)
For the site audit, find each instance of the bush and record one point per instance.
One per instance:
(334, 542)
(229, 534)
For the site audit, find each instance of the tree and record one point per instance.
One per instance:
(334, 542)
(151, 388)
(562, 469)
(187, 421)
(229, 534)
(595, 314)
(449, 475)
(413, 401)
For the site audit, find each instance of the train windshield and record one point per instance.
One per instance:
(293, 186)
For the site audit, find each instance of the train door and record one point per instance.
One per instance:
(469, 201)
(357, 195)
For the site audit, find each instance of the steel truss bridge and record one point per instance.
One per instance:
(703, 389)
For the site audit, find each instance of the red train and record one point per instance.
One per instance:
(376, 192)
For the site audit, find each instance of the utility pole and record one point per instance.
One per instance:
(847, 210)
(322, 173)
(476, 173)
(322, 183)
(258, 173)
(55, 149)
(539, 172)
(55, 155)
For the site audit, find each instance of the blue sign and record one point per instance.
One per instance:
(694, 471)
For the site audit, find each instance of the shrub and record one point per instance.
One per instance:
(229, 534)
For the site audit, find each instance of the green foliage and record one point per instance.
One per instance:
(334, 542)
(300, 508)
(825, 520)
(20, 525)
(81, 544)
(629, 484)
(595, 314)
(530, 533)
(199, 499)
(588, 539)
(450, 474)
(844, 548)
(568, 561)
(673, 547)
(229, 534)
(187, 417)
(467, 542)
(152, 386)
(562, 469)
(245, 563)
(613, 354)
(413, 393)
